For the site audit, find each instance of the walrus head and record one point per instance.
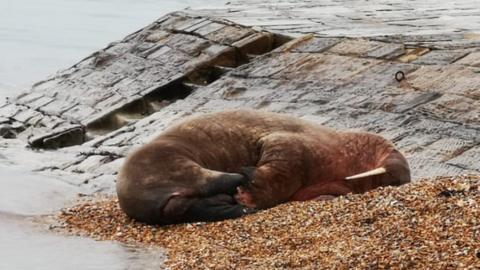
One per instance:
(393, 170)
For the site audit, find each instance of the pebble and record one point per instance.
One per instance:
(432, 222)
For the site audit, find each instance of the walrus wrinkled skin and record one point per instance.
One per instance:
(225, 165)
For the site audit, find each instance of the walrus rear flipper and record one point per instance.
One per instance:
(155, 206)
(215, 208)
(225, 183)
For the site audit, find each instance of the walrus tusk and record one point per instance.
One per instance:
(376, 171)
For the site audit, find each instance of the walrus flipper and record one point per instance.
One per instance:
(248, 173)
(225, 183)
(278, 174)
(215, 208)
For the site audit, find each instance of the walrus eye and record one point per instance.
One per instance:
(373, 172)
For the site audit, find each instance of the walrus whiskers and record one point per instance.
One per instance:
(373, 172)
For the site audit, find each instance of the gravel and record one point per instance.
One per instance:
(429, 223)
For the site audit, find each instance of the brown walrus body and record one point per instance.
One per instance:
(193, 171)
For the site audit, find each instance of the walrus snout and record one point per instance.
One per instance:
(391, 170)
(397, 169)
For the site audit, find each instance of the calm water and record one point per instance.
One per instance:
(26, 245)
(26, 248)
(39, 37)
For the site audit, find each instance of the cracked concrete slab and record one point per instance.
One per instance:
(427, 23)
(159, 63)
(117, 99)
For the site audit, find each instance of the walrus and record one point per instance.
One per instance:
(228, 164)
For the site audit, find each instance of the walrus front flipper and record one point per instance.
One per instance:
(278, 173)
(215, 208)
(225, 183)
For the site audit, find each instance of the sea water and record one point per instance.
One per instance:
(39, 37)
